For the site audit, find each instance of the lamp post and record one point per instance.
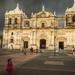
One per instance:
(36, 31)
(20, 31)
(8, 27)
(54, 34)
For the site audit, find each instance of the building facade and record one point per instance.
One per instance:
(1, 41)
(41, 31)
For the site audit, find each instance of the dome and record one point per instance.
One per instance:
(72, 8)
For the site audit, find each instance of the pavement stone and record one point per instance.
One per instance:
(17, 59)
(37, 65)
(39, 62)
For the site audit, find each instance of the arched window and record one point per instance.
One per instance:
(10, 21)
(27, 23)
(11, 41)
(43, 25)
(12, 33)
(73, 18)
(16, 21)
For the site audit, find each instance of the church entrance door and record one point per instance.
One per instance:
(25, 44)
(61, 45)
(42, 44)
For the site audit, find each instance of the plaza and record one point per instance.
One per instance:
(40, 63)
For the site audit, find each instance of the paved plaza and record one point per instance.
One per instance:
(17, 58)
(45, 63)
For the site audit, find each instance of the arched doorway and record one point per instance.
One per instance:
(61, 45)
(73, 19)
(25, 44)
(42, 44)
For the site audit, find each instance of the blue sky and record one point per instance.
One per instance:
(29, 6)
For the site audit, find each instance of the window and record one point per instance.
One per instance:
(25, 44)
(73, 18)
(12, 33)
(10, 21)
(27, 24)
(11, 41)
(16, 21)
(43, 25)
(69, 20)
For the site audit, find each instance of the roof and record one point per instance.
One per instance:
(72, 8)
(43, 13)
(17, 10)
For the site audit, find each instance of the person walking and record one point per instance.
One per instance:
(25, 51)
(31, 50)
(9, 67)
(37, 50)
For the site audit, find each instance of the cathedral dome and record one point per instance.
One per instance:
(72, 8)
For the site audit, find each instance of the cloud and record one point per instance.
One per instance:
(29, 6)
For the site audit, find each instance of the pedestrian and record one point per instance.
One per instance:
(37, 50)
(40, 50)
(25, 51)
(9, 67)
(31, 50)
(61, 51)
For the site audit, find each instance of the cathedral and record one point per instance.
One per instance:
(40, 31)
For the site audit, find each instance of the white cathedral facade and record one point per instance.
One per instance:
(41, 31)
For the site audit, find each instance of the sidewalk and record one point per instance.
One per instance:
(17, 59)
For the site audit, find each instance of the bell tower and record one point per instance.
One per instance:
(13, 18)
(70, 17)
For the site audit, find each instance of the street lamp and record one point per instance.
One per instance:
(20, 30)
(36, 31)
(54, 33)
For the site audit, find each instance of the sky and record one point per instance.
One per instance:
(29, 6)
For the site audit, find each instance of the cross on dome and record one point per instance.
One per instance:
(54, 13)
(43, 8)
(17, 6)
